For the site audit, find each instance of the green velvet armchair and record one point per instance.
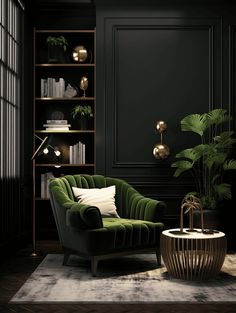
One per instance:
(84, 231)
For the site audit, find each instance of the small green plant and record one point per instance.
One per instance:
(57, 41)
(210, 159)
(82, 110)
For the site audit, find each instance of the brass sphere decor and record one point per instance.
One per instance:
(161, 126)
(161, 150)
(80, 54)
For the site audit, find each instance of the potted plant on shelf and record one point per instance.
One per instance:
(210, 159)
(83, 113)
(57, 47)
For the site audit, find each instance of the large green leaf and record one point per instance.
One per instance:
(215, 159)
(214, 179)
(217, 116)
(190, 154)
(224, 140)
(229, 165)
(194, 122)
(204, 149)
(223, 191)
(181, 166)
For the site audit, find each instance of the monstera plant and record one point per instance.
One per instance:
(210, 159)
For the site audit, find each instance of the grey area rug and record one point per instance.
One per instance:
(133, 279)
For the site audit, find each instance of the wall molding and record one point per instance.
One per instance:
(115, 28)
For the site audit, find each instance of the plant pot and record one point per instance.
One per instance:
(56, 54)
(83, 123)
(211, 219)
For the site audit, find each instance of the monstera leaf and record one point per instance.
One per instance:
(224, 140)
(195, 123)
(190, 154)
(181, 166)
(217, 116)
(216, 159)
(229, 165)
(223, 191)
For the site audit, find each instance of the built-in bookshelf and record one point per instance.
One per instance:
(63, 79)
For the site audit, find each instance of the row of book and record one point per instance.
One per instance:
(44, 184)
(52, 87)
(57, 125)
(77, 153)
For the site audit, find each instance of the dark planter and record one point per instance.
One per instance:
(56, 54)
(211, 219)
(83, 123)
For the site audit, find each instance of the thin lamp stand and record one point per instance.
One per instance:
(39, 150)
(34, 252)
(44, 144)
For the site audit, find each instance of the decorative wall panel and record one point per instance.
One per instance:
(153, 64)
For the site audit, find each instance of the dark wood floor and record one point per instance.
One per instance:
(15, 269)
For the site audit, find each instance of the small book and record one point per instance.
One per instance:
(57, 122)
(56, 125)
(57, 128)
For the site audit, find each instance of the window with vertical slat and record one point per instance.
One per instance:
(11, 14)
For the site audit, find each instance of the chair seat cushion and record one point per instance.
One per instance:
(121, 234)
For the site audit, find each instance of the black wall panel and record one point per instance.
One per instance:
(152, 64)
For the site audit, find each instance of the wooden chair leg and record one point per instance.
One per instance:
(94, 264)
(66, 258)
(158, 255)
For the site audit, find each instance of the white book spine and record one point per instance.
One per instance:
(48, 176)
(83, 157)
(42, 88)
(62, 87)
(43, 193)
(70, 155)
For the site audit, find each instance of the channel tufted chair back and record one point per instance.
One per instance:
(82, 229)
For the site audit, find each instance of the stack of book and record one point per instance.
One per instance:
(54, 125)
(77, 153)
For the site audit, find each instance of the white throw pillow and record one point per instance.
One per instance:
(102, 198)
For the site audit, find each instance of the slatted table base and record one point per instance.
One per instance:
(193, 258)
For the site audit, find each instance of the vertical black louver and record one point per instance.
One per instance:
(11, 14)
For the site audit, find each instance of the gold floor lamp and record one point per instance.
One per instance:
(42, 148)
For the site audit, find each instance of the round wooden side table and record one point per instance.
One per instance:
(193, 256)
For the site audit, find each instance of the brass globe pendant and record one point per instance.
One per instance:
(161, 150)
(161, 126)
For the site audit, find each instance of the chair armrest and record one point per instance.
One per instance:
(78, 215)
(83, 216)
(144, 208)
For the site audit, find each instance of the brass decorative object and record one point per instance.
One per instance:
(83, 84)
(161, 150)
(80, 54)
(191, 203)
